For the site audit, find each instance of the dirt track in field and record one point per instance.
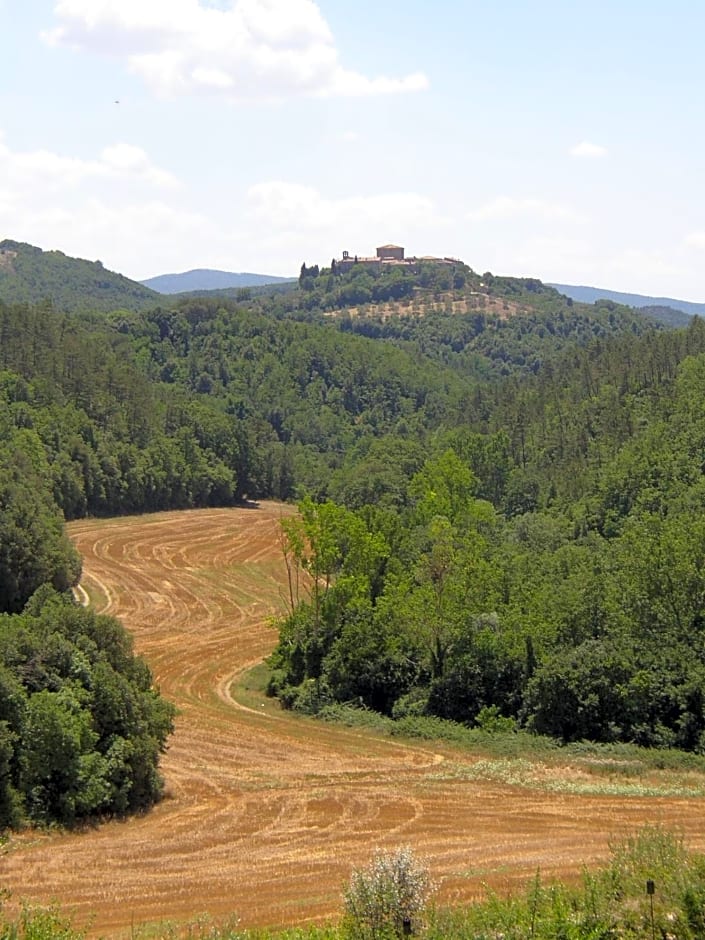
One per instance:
(265, 814)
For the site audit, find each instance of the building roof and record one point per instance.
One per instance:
(388, 246)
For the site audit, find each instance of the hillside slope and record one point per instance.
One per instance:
(267, 813)
(30, 275)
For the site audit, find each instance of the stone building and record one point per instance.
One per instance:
(386, 254)
(390, 253)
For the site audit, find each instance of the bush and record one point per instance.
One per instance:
(388, 897)
(412, 705)
(39, 923)
(490, 719)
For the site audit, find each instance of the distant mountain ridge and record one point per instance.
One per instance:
(588, 295)
(200, 279)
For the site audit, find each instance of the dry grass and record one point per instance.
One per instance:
(265, 813)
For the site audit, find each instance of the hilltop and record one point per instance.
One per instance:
(30, 275)
(392, 285)
(377, 298)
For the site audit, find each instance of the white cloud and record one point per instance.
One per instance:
(137, 239)
(294, 206)
(506, 207)
(103, 207)
(645, 270)
(651, 266)
(548, 258)
(288, 221)
(251, 49)
(215, 78)
(113, 207)
(128, 160)
(695, 240)
(43, 169)
(584, 261)
(352, 85)
(140, 235)
(588, 150)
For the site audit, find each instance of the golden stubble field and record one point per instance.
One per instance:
(265, 813)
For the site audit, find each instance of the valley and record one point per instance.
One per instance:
(265, 813)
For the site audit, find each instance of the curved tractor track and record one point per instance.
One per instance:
(265, 814)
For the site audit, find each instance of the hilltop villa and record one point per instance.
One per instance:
(387, 256)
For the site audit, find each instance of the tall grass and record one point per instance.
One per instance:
(629, 769)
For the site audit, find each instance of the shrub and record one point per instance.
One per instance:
(388, 897)
(412, 705)
(39, 923)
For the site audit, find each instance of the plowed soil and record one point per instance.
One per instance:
(266, 813)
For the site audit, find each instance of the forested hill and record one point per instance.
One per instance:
(482, 326)
(211, 401)
(525, 468)
(30, 275)
(427, 287)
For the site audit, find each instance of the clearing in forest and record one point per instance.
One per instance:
(266, 813)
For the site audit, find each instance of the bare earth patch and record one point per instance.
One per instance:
(265, 813)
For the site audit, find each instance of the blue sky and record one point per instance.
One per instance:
(561, 140)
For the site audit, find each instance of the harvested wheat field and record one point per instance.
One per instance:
(265, 813)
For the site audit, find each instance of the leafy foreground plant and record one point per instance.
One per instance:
(388, 897)
(38, 923)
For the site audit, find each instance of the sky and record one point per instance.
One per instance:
(558, 139)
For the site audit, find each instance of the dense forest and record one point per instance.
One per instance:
(544, 564)
(211, 401)
(81, 728)
(500, 510)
